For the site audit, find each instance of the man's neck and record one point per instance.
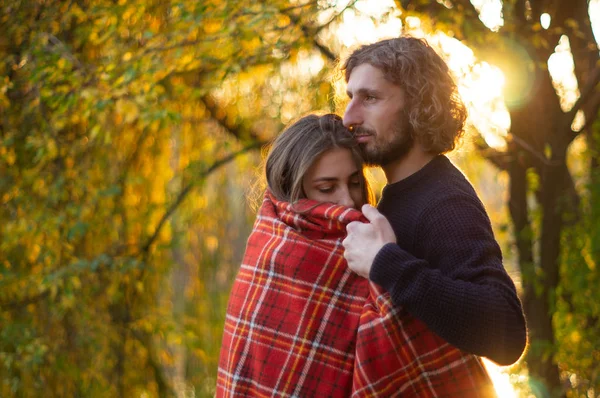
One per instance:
(409, 164)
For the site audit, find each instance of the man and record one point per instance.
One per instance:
(438, 259)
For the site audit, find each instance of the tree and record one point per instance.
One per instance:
(536, 160)
(114, 117)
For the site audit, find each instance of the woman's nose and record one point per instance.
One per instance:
(345, 199)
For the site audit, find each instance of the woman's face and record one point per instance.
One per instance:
(334, 177)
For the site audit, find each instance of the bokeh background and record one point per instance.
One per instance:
(131, 139)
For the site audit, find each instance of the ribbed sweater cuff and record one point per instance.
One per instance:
(387, 266)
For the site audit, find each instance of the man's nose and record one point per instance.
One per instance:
(352, 116)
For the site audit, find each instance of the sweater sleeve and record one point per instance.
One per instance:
(460, 288)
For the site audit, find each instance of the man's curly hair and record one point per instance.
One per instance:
(435, 110)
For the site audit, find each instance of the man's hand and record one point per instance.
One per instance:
(365, 240)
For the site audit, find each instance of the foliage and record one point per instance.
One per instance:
(124, 126)
(578, 310)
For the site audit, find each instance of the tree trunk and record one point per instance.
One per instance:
(552, 224)
(537, 308)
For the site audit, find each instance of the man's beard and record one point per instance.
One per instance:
(377, 153)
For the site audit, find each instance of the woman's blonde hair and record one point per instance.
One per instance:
(299, 146)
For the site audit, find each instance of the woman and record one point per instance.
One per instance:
(299, 322)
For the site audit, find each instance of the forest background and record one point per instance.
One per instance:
(130, 149)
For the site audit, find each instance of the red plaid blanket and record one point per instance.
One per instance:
(300, 324)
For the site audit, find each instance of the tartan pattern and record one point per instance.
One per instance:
(299, 323)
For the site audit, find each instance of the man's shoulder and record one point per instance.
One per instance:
(449, 188)
(450, 181)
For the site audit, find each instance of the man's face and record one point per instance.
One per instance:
(376, 115)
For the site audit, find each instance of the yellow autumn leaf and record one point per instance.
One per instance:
(212, 26)
(69, 162)
(283, 21)
(34, 252)
(128, 13)
(212, 243)
(11, 157)
(52, 149)
(76, 282)
(251, 45)
(128, 110)
(187, 58)
(166, 358)
(200, 353)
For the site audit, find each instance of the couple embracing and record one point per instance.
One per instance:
(337, 298)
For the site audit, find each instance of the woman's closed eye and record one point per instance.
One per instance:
(326, 189)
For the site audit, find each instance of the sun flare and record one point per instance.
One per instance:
(501, 380)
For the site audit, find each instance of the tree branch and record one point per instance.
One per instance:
(594, 107)
(182, 44)
(335, 17)
(498, 158)
(586, 93)
(309, 34)
(66, 52)
(188, 188)
(537, 155)
(290, 8)
(324, 50)
(237, 130)
(436, 10)
(15, 305)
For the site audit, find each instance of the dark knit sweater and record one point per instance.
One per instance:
(446, 268)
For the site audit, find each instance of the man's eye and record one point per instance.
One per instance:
(370, 98)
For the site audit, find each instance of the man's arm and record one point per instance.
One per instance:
(460, 289)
